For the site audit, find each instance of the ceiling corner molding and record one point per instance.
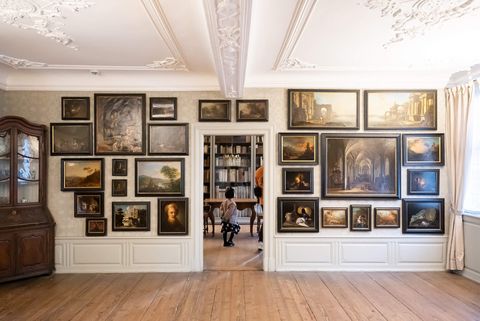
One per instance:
(300, 17)
(169, 63)
(229, 28)
(296, 64)
(18, 63)
(44, 17)
(160, 21)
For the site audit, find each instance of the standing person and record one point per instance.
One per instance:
(259, 194)
(228, 208)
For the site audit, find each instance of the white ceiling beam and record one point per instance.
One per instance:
(229, 28)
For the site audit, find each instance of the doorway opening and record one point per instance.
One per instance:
(232, 162)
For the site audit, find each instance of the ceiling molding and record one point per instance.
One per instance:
(414, 17)
(296, 64)
(229, 27)
(160, 21)
(299, 19)
(18, 63)
(169, 63)
(44, 17)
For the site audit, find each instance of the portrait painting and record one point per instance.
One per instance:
(360, 218)
(71, 139)
(297, 180)
(96, 227)
(252, 110)
(168, 139)
(401, 109)
(163, 108)
(130, 216)
(88, 204)
(173, 216)
(423, 149)
(214, 110)
(75, 108)
(120, 124)
(119, 167)
(297, 148)
(423, 215)
(334, 217)
(386, 217)
(119, 187)
(360, 166)
(82, 174)
(297, 215)
(323, 109)
(423, 181)
(160, 177)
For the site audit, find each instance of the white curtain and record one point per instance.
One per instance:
(459, 150)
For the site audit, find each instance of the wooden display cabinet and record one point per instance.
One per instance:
(26, 224)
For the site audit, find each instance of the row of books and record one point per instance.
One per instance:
(233, 175)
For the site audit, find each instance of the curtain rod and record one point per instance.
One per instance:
(464, 76)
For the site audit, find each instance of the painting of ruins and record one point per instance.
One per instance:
(323, 109)
(360, 166)
(297, 148)
(401, 109)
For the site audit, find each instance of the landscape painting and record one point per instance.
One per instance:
(130, 216)
(252, 110)
(360, 166)
(160, 177)
(423, 149)
(298, 148)
(163, 108)
(85, 174)
(168, 139)
(214, 110)
(423, 215)
(75, 108)
(334, 217)
(387, 217)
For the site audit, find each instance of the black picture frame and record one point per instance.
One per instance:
(130, 216)
(423, 215)
(88, 204)
(75, 108)
(386, 217)
(296, 148)
(179, 206)
(297, 215)
(360, 218)
(297, 180)
(423, 181)
(378, 156)
(120, 124)
(423, 149)
(82, 174)
(119, 187)
(163, 108)
(168, 139)
(119, 167)
(400, 109)
(214, 110)
(334, 217)
(68, 139)
(252, 110)
(96, 227)
(174, 171)
(305, 113)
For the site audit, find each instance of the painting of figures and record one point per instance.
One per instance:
(360, 166)
(297, 148)
(71, 139)
(297, 214)
(160, 177)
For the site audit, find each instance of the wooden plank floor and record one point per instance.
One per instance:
(242, 295)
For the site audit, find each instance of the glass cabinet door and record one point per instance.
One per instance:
(5, 167)
(28, 168)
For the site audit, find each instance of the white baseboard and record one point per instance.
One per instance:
(471, 274)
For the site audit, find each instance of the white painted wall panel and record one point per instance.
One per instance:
(97, 253)
(157, 253)
(421, 252)
(308, 253)
(471, 227)
(364, 252)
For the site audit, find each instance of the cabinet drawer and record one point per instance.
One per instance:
(32, 252)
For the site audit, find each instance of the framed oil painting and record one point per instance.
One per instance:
(82, 174)
(120, 124)
(423, 181)
(323, 109)
(423, 215)
(297, 215)
(360, 166)
(75, 108)
(119, 167)
(173, 216)
(160, 177)
(163, 108)
(386, 217)
(214, 110)
(252, 110)
(297, 180)
(423, 149)
(360, 218)
(71, 139)
(119, 187)
(130, 216)
(297, 148)
(334, 217)
(400, 109)
(168, 139)
(96, 227)
(88, 204)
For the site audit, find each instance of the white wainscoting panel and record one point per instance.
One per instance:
(421, 253)
(360, 252)
(471, 226)
(309, 253)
